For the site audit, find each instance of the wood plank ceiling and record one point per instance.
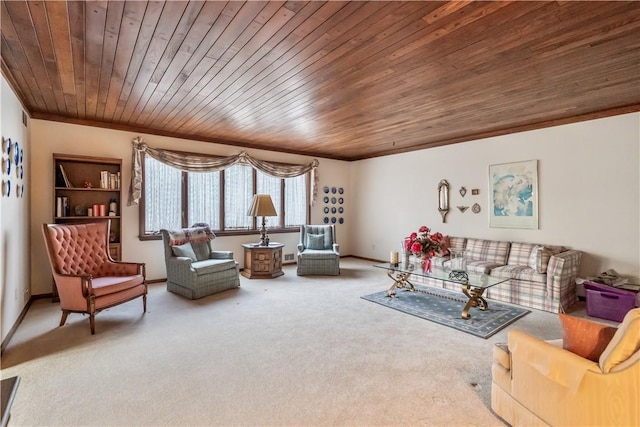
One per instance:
(343, 80)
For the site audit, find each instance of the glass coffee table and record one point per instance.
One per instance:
(473, 285)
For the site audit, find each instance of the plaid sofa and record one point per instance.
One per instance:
(540, 276)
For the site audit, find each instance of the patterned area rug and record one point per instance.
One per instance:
(445, 307)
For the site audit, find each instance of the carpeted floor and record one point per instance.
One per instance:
(288, 351)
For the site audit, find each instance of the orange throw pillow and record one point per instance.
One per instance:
(585, 338)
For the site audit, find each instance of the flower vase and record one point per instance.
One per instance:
(426, 265)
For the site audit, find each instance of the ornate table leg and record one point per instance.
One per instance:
(475, 300)
(400, 282)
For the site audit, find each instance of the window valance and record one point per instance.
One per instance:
(206, 163)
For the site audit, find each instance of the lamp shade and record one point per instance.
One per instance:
(262, 206)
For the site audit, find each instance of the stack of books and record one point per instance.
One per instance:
(110, 180)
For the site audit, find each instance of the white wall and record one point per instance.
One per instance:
(14, 215)
(588, 181)
(53, 137)
(589, 192)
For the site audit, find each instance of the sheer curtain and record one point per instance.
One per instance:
(162, 181)
(269, 185)
(295, 212)
(238, 194)
(203, 198)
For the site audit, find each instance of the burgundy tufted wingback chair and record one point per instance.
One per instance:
(86, 277)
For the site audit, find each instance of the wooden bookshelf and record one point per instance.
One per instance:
(80, 180)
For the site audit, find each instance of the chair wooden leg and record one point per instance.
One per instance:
(92, 323)
(63, 320)
(144, 303)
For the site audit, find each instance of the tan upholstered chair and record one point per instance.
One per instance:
(86, 277)
(537, 382)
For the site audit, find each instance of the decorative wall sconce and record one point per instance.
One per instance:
(443, 199)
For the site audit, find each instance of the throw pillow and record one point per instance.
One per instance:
(539, 259)
(202, 250)
(184, 251)
(585, 338)
(315, 241)
(624, 344)
(193, 234)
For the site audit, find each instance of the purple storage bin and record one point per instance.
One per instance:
(607, 302)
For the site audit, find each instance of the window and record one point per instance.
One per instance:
(174, 199)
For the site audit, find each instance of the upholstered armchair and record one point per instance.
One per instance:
(318, 252)
(194, 269)
(86, 278)
(589, 378)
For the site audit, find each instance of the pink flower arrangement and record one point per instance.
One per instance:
(425, 244)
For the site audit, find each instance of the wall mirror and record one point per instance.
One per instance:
(443, 199)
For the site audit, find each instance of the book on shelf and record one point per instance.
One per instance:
(65, 180)
(62, 207)
(110, 181)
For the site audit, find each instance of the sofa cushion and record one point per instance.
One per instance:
(185, 250)
(585, 338)
(202, 250)
(519, 253)
(110, 285)
(487, 250)
(319, 254)
(519, 272)
(483, 267)
(457, 242)
(314, 241)
(212, 266)
(439, 261)
(624, 343)
(539, 259)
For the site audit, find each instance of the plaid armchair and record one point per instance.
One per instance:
(194, 270)
(318, 252)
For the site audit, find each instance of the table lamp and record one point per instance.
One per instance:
(262, 206)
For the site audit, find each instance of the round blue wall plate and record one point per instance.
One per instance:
(16, 154)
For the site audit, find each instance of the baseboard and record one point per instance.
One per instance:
(14, 328)
(377, 261)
